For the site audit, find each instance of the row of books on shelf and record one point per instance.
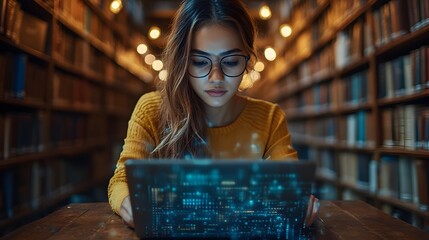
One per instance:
(22, 77)
(27, 187)
(79, 21)
(390, 21)
(405, 74)
(320, 65)
(318, 98)
(352, 130)
(72, 50)
(395, 177)
(352, 43)
(386, 23)
(327, 191)
(299, 12)
(22, 133)
(351, 90)
(77, 52)
(119, 102)
(37, 131)
(418, 13)
(357, 129)
(322, 29)
(73, 91)
(22, 27)
(406, 126)
(82, 17)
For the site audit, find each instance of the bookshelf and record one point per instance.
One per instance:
(69, 80)
(353, 80)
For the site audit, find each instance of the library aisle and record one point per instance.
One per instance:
(351, 75)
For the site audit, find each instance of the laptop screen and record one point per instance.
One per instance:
(219, 198)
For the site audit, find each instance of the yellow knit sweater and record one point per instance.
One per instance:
(260, 132)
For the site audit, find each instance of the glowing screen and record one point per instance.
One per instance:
(226, 199)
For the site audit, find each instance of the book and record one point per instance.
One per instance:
(3, 6)
(422, 184)
(18, 75)
(400, 25)
(11, 8)
(17, 25)
(405, 179)
(33, 32)
(2, 136)
(389, 180)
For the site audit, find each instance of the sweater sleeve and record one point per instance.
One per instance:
(279, 143)
(139, 142)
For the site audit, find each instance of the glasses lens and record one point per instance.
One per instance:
(231, 66)
(234, 65)
(199, 66)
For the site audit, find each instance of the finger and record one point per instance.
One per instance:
(309, 210)
(315, 212)
(128, 219)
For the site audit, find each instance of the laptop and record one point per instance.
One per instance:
(232, 199)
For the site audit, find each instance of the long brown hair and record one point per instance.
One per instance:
(182, 121)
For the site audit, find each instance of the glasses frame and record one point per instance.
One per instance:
(220, 65)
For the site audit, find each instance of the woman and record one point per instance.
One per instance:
(198, 112)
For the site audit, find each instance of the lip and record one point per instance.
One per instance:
(216, 92)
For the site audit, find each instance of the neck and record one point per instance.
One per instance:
(222, 116)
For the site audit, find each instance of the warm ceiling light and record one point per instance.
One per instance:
(148, 59)
(142, 48)
(157, 65)
(255, 76)
(163, 75)
(285, 30)
(270, 54)
(154, 32)
(259, 66)
(115, 6)
(265, 12)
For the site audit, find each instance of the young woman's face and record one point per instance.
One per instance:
(217, 63)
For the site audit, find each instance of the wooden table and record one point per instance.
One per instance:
(337, 220)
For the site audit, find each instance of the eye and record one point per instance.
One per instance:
(199, 62)
(231, 61)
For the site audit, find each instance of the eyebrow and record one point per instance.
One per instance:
(221, 54)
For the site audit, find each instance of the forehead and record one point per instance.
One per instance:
(216, 38)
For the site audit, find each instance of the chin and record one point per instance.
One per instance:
(217, 102)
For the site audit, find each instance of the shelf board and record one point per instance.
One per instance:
(404, 43)
(303, 114)
(322, 8)
(405, 98)
(51, 153)
(404, 205)
(25, 103)
(48, 202)
(34, 53)
(353, 66)
(360, 190)
(76, 109)
(416, 153)
(70, 68)
(351, 108)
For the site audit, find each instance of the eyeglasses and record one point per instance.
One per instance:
(232, 65)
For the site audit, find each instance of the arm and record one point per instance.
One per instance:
(280, 147)
(279, 144)
(139, 142)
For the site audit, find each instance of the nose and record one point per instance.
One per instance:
(216, 73)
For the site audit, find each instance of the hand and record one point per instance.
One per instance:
(312, 210)
(126, 212)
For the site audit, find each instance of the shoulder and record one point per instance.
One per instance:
(263, 106)
(148, 105)
(261, 113)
